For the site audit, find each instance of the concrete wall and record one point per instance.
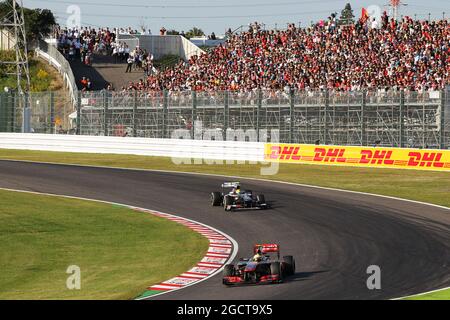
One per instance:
(7, 41)
(207, 42)
(160, 46)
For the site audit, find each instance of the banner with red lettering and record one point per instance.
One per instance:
(421, 159)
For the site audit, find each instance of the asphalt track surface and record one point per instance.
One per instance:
(334, 236)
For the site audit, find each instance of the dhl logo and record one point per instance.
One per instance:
(320, 154)
(428, 159)
(284, 153)
(359, 156)
(330, 155)
(376, 157)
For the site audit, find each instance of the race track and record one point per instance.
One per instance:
(334, 236)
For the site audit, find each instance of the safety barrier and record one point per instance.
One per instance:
(177, 148)
(421, 159)
(377, 157)
(50, 53)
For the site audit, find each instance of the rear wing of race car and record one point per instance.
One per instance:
(266, 248)
(230, 184)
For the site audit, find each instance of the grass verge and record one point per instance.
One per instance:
(120, 251)
(437, 295)
(432, 187)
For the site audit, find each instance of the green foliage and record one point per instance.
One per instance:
(172, 32)
(347, 16)
(194, 32)
(40, 80)
(38, 22)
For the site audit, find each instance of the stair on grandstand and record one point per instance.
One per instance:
(103, 71)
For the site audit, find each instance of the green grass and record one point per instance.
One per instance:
(438, 295)
(432, 187)
(120, 251)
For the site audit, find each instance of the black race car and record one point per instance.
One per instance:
(264, 269)
(237, 199)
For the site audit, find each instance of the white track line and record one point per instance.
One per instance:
(250, 178)
(231, 256)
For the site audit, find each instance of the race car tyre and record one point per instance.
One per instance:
(275, 269)
(228, 270)
(227, 201)
(260, 199)
(290, 265)
(216, 199)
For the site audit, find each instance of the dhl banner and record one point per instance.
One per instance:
(420, 159)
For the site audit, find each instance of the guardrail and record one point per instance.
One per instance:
(398, 158)
(177, 148)
(51, 54)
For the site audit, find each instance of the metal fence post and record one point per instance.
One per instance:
(14, 111)
(401, 132)
(258, 113)
(9, 112)
(135, 114)
(363, 117)
(78, 129)
(164, 115)
(105, 113)
(52, 112)
(194, 112)
(291, 116)
(3, 112)
(442, 129)
(226, 114)
(26, 114)
(325, 121)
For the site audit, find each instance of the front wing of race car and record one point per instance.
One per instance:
(236, 280)
(253, 206)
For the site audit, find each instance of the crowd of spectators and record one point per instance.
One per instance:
(77, 43)
(81, 44)
(375, 55)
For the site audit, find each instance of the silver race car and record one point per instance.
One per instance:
(236, 198)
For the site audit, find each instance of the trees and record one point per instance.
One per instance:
(194, 32)
(172, 32)
(38, 22)
(347, 16)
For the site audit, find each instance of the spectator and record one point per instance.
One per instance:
(84, 83)
(130, 62)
